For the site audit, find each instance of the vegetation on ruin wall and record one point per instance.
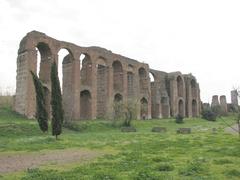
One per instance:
(140, 155)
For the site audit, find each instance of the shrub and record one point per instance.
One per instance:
(209, 115)
(179, 119)
(124, 112)
(217, 110)
(165, 167)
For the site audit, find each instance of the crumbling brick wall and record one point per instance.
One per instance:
(93, 77)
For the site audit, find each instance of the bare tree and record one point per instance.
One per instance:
(124, 112)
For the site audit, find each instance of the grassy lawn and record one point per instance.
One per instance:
(139, 155)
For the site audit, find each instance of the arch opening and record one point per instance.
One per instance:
(86, 69)
(181, 108)
(43, 64)
(117, 76)
(81, 58)
(64, 59)
(152, 77)
(85, 104)
(43, 70)
(194, 108)
(180, 86)
(130, 67)
(65, 74)
(144, 108)
(38, 62)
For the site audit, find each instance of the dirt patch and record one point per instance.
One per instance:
(233, 129)
(18, 162)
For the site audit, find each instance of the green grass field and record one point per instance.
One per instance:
(140, 155)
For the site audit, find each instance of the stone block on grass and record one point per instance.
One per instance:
(128, 129)
(159, 129)
(184, 131)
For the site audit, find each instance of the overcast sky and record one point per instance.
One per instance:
(201, 37)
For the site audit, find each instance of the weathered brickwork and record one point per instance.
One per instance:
(94, 78)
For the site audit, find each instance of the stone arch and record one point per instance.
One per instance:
(117, 76)
(130, 68)
(101, 61)
(144, 108)
(152, 77)
(86, 69)
(180, 86)
(44, 56)
(143, 83)
(102, 84)
(85, 104)
(43, 70)
(181, 107)
(65, 73)
(65, 58)
(193, 88)
(194, 108)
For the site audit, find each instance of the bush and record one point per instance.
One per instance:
(218, 111)
(209, 115)
(179, 119)
(165, 167)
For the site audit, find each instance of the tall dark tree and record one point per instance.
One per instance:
(41, 112)
(56, 102)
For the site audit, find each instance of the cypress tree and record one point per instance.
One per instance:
(41, 112)
(56, 102)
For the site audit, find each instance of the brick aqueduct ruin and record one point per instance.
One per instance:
(90, 85)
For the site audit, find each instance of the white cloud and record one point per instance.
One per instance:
(201, 37)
